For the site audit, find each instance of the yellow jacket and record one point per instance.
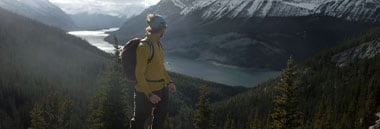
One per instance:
(150, 76)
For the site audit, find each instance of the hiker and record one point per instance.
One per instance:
(153, 81)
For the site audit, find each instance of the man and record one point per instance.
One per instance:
(153, 81)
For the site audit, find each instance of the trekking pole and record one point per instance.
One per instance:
(149, 123)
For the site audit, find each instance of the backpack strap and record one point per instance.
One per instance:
(151, 52)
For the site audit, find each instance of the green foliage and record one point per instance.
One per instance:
(286, 114)
(183, 103)
(204, 116)
(109, 108)
(229, 124)
(54, 113)
(36, 60)
(333, 97)
(37, 116)
(183, 119)
(241, 107)
(255, 122)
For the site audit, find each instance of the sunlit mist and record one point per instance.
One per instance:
(124, 8)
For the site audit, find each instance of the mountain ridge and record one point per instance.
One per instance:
(198, 30)
(37, 60)
(39, 10)
(328, 91)
(88, 21)
(363, 9)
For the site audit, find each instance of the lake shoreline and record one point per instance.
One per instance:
(206, 70)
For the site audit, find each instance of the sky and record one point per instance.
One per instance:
(111, 7)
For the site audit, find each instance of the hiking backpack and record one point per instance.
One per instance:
(128, 57)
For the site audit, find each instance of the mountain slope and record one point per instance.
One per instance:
(254, 34)
(357, 10)
(40, 10)
(35, 60)
(96, 21)
(332, 95)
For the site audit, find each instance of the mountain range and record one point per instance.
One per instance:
(255, 34)
(339, 89)
(339, 86)
(356, 10)
(87, 21)
(48, 13)
(37, 60)
(39, 10)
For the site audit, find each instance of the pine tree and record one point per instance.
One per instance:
(370, 104)
(37, 117)
(109, 108)
(64, 114)
(204, 116)
(230, 123)
(286, 114)
(322, 118)
(54, 113)
(184, 119)
(51, 107)
(255, 122)
(96, 120)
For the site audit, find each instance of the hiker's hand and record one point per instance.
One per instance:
(154, 99)
(172, 88)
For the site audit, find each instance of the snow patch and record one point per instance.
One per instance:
(267, 7)
(354, 10)
(365, 51)
(308, 6)
(179, 4)
(255, 6)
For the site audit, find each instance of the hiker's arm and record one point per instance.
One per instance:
(142, 54)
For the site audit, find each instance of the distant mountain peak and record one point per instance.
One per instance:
(255, 33)
(39, 10)
(356, 10)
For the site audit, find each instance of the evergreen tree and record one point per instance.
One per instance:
(64, 113)
(321, 119)
(286, 114)
(51, 107)
(255, 122)
(230, 123)
(109, 108)
(54, 113)
(37, 119)
(370, 105)
(184, 119)
(96, 120)
(204, 116)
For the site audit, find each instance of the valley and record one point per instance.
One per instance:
(209, 71)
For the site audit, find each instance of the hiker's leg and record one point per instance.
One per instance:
(161, 110)
(142, 110)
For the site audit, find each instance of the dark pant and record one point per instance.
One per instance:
(143, 110)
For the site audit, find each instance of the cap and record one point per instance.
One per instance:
(156, 22)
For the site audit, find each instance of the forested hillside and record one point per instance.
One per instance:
(37, 59)
(255, 34)
(49, 79)
(336, 89)
(112, 104)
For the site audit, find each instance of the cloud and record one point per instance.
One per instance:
(111, 7)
